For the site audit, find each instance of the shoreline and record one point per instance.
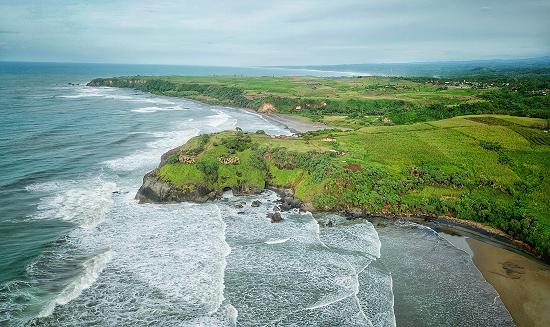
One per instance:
(522, 283)
(297, 124)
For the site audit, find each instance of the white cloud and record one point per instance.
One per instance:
(249, 32)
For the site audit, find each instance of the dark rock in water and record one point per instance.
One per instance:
(238, 206)
(240, 213)
(289, 202)
(329, 223)
(285, 206)
(242, 189)
(275, 216)
(255, 204)
(295, 203)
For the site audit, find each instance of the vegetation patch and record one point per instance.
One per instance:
(434, 169)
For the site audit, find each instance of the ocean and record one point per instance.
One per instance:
(76, 249)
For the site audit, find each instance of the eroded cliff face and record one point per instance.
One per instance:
(155, 190)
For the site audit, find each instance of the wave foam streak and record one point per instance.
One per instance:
(291, 274)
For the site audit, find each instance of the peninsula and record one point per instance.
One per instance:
(471, 149)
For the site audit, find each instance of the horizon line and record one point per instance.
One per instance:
(278, 66)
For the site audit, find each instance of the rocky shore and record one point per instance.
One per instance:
(155, 190)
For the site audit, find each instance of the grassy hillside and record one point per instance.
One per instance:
(491, 169)
(358, 102)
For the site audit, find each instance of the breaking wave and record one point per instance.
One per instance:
(84, 203)
(149, 156)
(92, 269)
(158, 109)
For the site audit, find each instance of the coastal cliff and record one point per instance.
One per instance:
(329, 171)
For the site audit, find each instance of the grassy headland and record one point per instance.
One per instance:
(476, 168)
(405, 155)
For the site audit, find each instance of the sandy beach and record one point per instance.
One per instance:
(295, 123)
(523, 283)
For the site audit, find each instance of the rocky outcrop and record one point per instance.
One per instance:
(275, 216)
(267, 107)
(154, 190)
(229, 160)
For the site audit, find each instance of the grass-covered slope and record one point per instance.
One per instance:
(491, 169)
(357, 102)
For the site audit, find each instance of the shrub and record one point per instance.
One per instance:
(209, 169)
(257, 161)
(238, 142)
(172, 159)
(503, 158)
(203, 141)
(491, 146)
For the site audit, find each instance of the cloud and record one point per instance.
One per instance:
(250, 32)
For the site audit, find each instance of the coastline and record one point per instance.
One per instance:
(295, 124)
(521, 279)
(298, 124)
(494, 240)
(522, 283)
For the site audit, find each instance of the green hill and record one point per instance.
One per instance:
(490, 169)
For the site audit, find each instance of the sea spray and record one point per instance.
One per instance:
(84, 203)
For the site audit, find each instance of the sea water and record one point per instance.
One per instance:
(76, 249)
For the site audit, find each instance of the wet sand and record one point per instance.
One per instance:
(295, 124)
(522, 282)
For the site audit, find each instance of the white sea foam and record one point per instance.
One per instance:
(147, 109)
(157, 109)
(149, 156)
(83, 203)
(168, 269)
(114, 94)
(300, 282)
(277, 241)
(91, 270)
(154, 100)
(221, 120)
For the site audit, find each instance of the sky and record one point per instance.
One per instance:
(263, 32)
